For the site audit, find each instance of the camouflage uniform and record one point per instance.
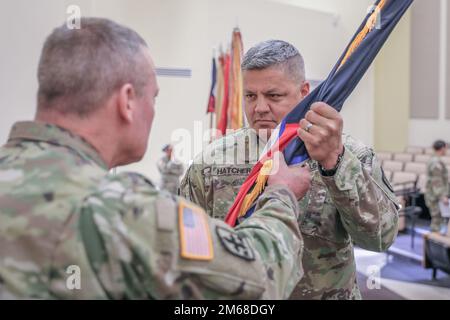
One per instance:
(170, 174)
(436, 189)
(60, 208)
(356, 206)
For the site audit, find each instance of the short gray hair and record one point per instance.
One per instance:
(80, 69)
(276, 53)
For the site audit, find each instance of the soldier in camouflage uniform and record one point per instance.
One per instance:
(170, 170)
(68, 229)
(437, 188)
(349, 202)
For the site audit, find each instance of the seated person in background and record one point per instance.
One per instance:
(437, 189)
(69, 230)
(170, 170)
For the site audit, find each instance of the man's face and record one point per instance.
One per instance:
(270, 94)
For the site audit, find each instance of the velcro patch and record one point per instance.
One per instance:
(236, 245)
(195, 237)
(165, 210)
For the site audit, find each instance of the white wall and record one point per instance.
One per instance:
(23, 27)
(182, 34)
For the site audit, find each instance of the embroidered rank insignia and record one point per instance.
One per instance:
(236, 245)
(195, 237)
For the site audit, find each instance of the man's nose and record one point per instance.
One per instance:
(261, 105)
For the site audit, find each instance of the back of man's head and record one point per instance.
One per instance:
(276, 53)
(79, 69)
(439, 145)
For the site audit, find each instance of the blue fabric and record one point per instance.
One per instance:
(341, 82)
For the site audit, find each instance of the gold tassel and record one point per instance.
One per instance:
(260, 184)
(370, 25)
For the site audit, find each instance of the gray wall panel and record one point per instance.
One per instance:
(425, 31)
(447, 91)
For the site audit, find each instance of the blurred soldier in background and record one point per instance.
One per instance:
(170, 170)
(437, 189)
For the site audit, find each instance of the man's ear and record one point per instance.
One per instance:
(126, 102)
(306, 86)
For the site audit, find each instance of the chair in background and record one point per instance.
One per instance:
(437, 253)
(382, 156)
(415, 150)
(403, 157)
(405, 187)
(421, 182)
(416, 167)
(429, 151)
(422, 158)
(393, 166)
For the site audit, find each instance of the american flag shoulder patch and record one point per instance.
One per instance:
(195, 236)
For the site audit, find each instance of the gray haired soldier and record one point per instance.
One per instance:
(437, 189)
(70, 230)
(349, 202)
(170, 170)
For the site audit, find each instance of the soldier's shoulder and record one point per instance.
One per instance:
(357, 147)
(128, 199)
(125, 188)
(129, 181)
(435, 163)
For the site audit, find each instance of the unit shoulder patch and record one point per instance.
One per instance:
(235, 244)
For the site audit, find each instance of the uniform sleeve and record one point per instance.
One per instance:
(365, 201)
(438, 186)
(192, 186)
(164, 248)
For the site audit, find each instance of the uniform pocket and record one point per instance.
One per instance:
(320, 217)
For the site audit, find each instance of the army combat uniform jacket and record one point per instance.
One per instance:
(436, 188)
(437, 180)
(356, 206)
(70, 230)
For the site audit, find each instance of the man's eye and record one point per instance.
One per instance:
(250, 96)
(275, 96)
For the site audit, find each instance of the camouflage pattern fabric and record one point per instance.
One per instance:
(356, 206)
(436, 188)
(60, 210)
(171, 172)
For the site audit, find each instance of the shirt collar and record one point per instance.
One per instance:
(44, 132)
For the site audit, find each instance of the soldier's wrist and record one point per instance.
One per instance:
(332, 171)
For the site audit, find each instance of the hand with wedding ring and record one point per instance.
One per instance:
(321, 131)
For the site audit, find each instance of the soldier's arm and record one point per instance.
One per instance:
(364, 200)
(192, 185)
(145, 245)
